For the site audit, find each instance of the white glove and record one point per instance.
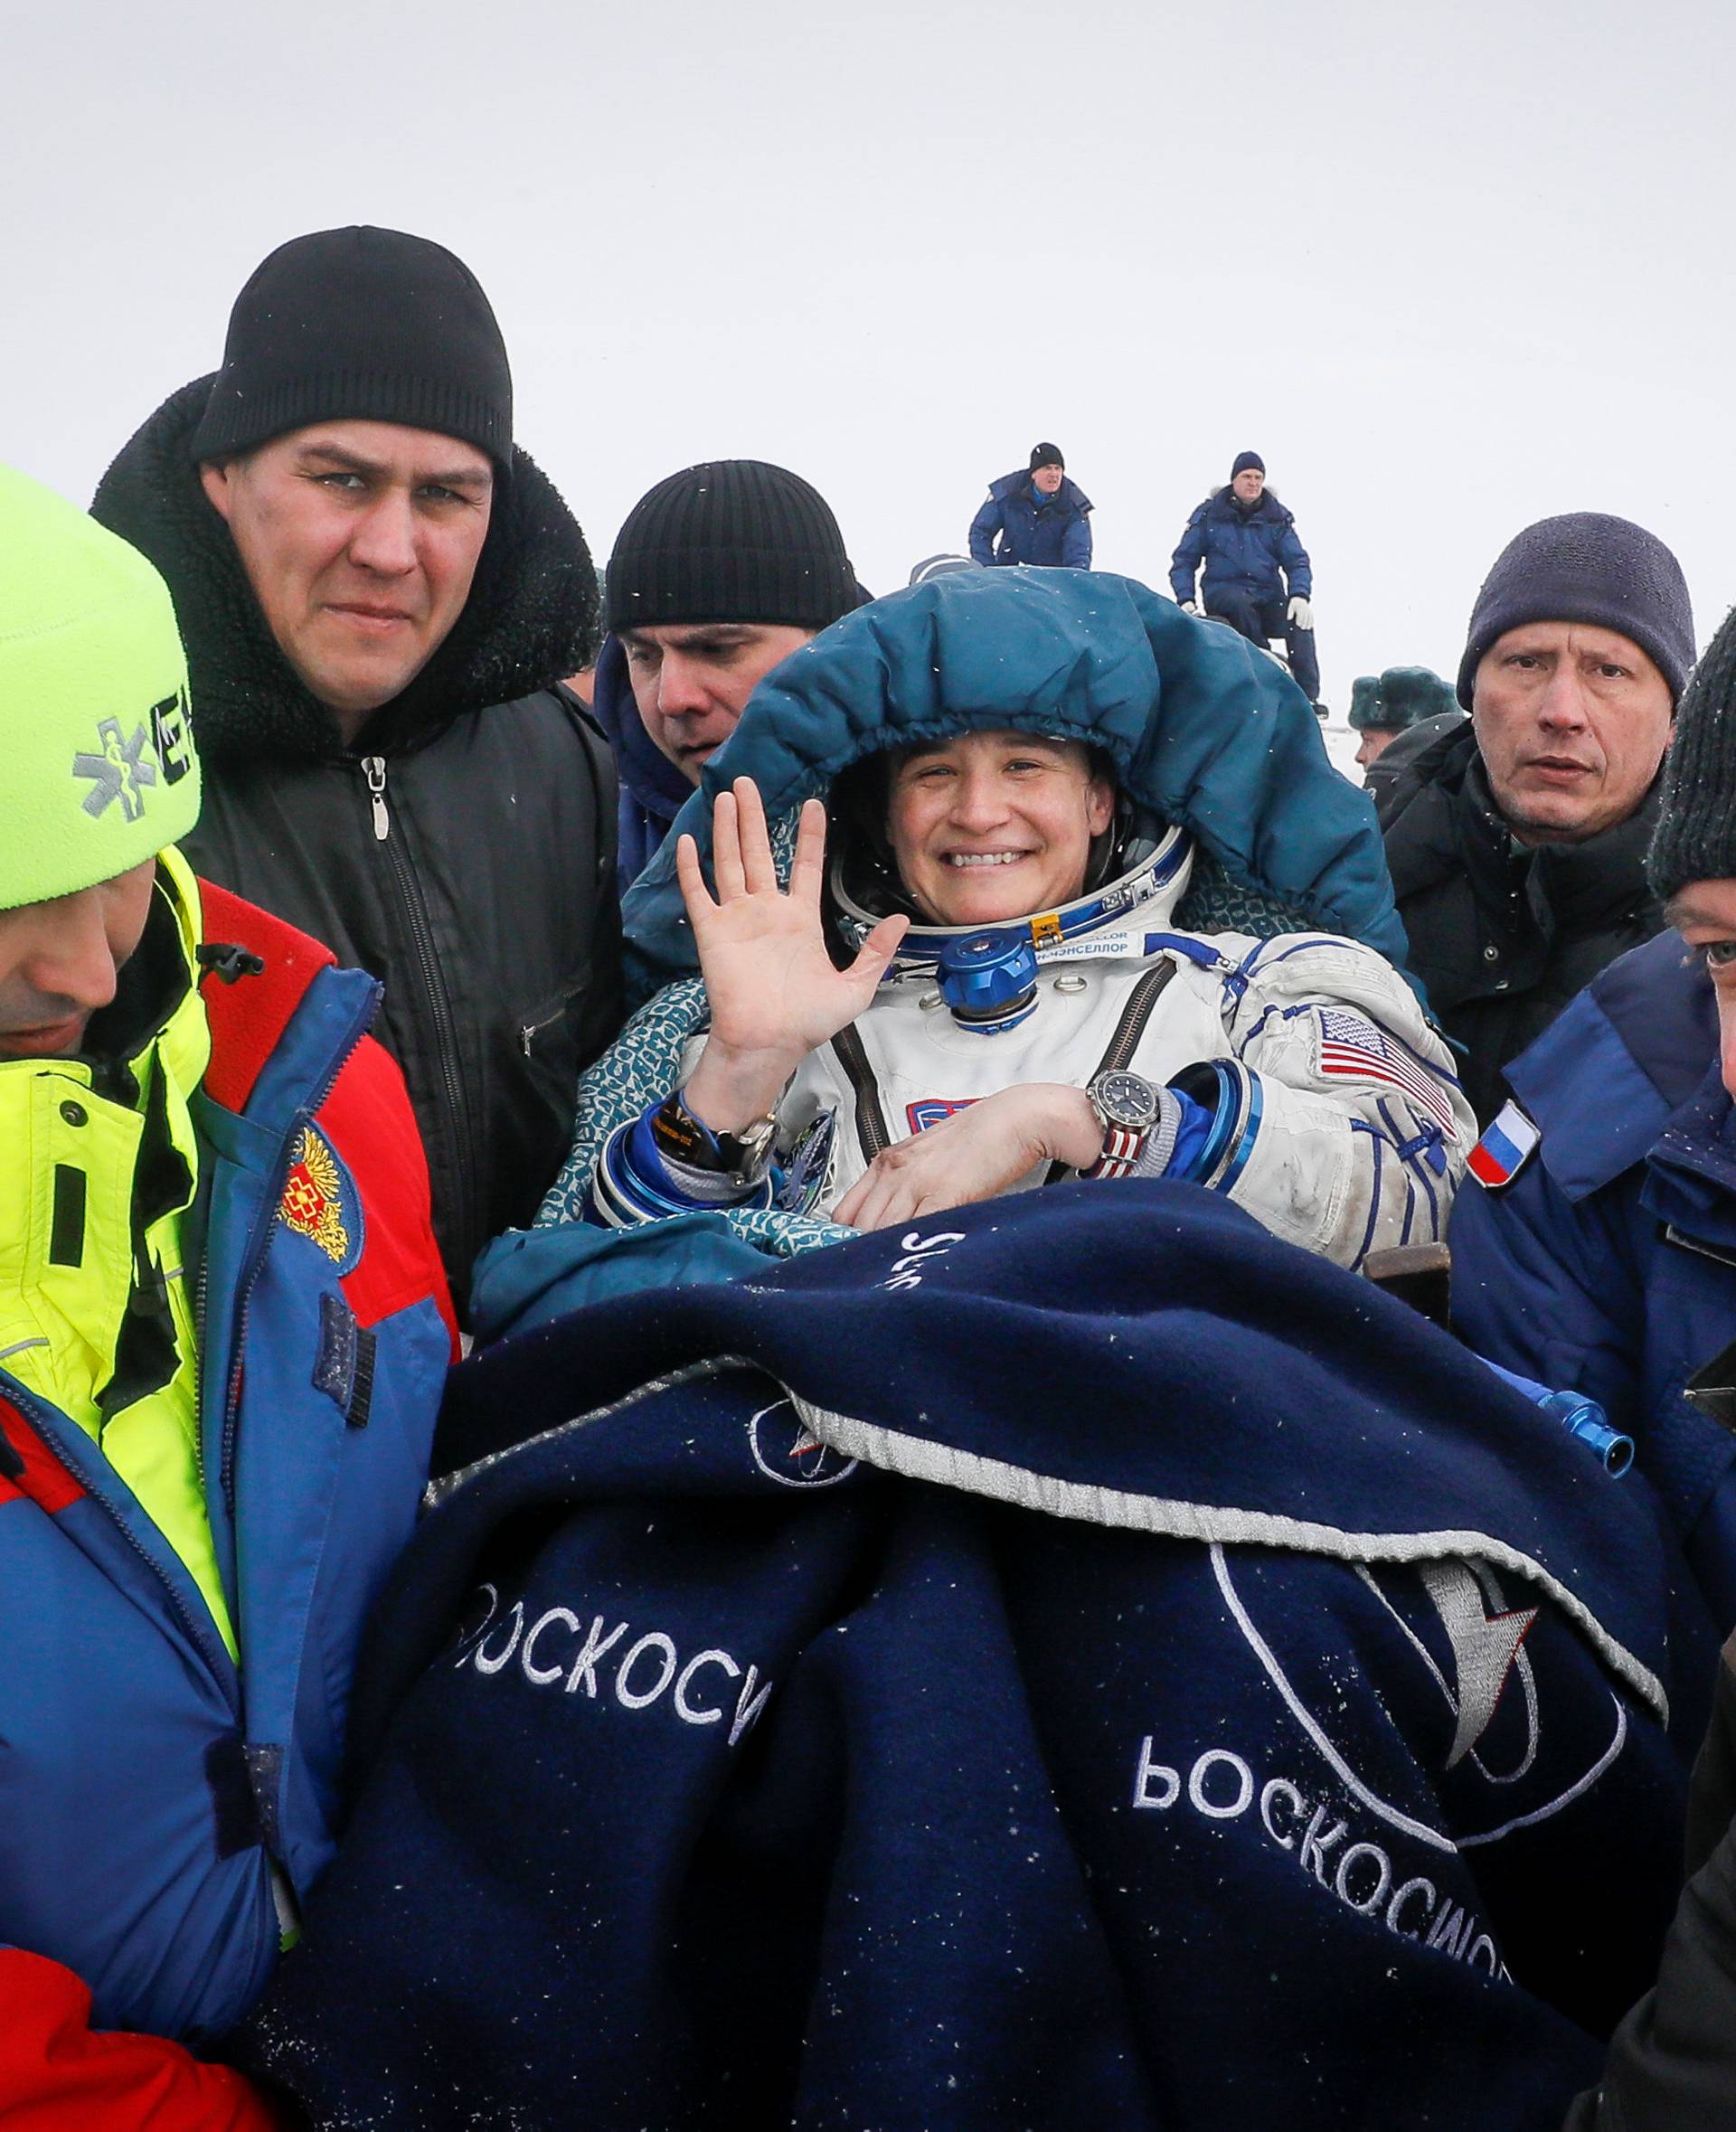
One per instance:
(1301, 613)
(1190, 606)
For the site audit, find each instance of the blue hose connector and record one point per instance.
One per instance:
(1581, 1417)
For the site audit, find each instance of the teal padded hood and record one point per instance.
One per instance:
(1203, 729)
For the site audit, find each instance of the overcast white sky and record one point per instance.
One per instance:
(1448, 269)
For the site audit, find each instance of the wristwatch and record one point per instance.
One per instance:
(743, 1157)
(1126, 1107)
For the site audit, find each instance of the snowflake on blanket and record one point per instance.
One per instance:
(1354, 1049)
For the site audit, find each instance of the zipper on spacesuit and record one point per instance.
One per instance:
(1135, 1015)
(870, 1120)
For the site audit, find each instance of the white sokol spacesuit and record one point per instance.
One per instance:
(1302, 1079)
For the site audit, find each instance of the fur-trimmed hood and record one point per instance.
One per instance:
(531, 616)
(1070, 494)
(1264, 506)
(1202, 729)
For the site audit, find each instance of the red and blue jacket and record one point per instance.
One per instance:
(166, 1811)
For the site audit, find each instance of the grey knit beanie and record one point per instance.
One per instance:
(1695, 837)
(1586, 567)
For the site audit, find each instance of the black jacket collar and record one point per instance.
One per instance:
(1447, 822)
(531, 618)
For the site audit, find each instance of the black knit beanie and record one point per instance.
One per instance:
(360, 325)
(1695, 837)
(1248, 462)
(1046, 454)
(1586, 567)
(730, 541)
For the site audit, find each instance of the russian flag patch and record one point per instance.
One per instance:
(1505, 1149)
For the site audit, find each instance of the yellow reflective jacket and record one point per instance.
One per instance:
(73, 1268)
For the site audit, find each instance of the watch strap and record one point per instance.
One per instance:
(1128, 1153)
(686, 1143)
(1122, 1147)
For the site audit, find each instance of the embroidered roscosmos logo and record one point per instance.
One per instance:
(598, 1661)
(320, 1203)
(1469, 1645)
(1503, 1754)
(789, 1452)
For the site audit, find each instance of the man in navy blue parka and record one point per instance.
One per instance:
(1040, 518)
(1257, 576)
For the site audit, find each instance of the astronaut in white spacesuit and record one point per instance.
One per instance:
(985, 993)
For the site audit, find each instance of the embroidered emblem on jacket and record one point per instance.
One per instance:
(1505, 1147)
(933, 1109)
(1354, 1049)
(320, 1204)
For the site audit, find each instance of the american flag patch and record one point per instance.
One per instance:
(1351, 1049)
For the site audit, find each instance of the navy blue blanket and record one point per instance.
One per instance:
(1057, 1665)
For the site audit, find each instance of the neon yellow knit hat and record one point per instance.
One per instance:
(99, 768)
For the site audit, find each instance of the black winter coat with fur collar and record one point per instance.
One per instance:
(462, 851)
(1501, 938)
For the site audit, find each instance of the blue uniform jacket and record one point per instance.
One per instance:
(154, 1794)
(1609, 1264)
(1018, 525)
(1252, 551)
(653, 791)
(984, 1676)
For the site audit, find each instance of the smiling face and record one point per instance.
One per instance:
(994, 826)
(60, 962)
(360, 540)
(691, 681)
(1572, 723)
(1705, 914)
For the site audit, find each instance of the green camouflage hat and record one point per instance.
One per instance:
(101, 768)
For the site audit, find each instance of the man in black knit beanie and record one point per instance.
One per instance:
(721, 571)
(380, 593)
(1517, 838)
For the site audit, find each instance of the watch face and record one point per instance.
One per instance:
(1125, 1099)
